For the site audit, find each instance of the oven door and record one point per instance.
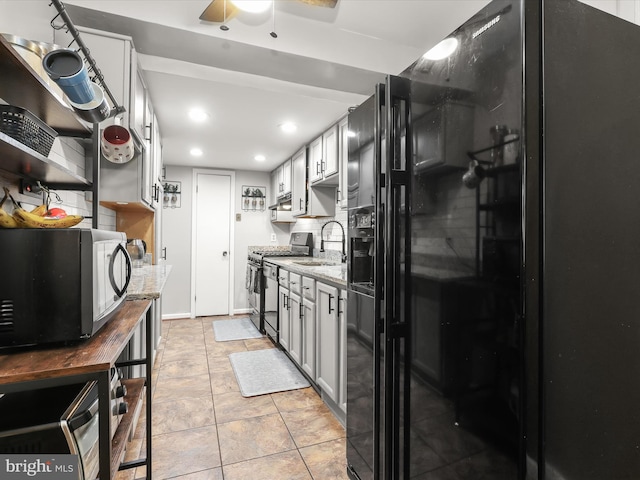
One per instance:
(270, 316)
(254, 293)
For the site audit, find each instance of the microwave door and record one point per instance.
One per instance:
(99, 279)
(120, 263)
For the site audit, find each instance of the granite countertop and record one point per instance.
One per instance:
(147, 282)
(331, 272)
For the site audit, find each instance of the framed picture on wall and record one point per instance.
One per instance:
(172, 193)
(254, 198)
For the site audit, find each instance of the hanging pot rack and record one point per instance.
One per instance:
(92, 66)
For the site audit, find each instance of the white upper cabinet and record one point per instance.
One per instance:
(315, 160)
(283, 179)
(343, 158)
(134, 182)
(323, 158)
(299, 183)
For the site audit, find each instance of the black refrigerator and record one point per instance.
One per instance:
(493, 329)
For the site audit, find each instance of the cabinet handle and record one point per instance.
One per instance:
(322, 164)
(319, 168)
(301, 204)
(306, 288)
(293, 283)
(301, 311)
(164, 253)
(149, 127)
(331, 309)
(340, 312)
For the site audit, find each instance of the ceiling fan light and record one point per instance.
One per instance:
(252, 6)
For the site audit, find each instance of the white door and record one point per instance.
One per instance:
(212, 255)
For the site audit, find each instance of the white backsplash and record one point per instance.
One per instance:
(332, 251)
(70, 154)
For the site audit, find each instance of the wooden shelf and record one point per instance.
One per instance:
(20, 160)
(22, 86)
(134, 397)
(97, 354)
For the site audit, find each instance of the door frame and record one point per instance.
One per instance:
(194, 209)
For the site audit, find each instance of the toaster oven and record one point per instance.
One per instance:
(60, 420)
(60, 285)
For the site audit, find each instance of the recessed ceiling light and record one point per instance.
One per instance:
(198, 115)
(442, 50)
(253, 6)
(196, 152)
(288, 127)
(260, 158)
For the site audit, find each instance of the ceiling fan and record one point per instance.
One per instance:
(222, 10)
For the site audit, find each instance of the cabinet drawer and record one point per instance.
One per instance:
(283, 278)
(309, 288)
(294, 282)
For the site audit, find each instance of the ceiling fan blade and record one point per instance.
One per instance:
(320, 3)
(215, 12)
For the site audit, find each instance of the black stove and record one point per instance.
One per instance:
(300, 245)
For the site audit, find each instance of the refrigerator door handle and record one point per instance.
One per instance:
(397, 276)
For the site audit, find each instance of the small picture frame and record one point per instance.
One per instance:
(254, 198)
(171, 194)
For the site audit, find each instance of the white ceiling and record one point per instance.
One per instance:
(322, 62)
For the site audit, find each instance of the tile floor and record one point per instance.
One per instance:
(203, 429)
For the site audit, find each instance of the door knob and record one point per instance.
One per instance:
(224, 254)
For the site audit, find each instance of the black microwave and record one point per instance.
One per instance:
(60, 285)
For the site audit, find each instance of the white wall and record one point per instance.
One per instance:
(253, 228)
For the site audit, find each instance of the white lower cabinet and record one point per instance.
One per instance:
(283, 315)
(328, 341)
(295, 322)
(308, 320)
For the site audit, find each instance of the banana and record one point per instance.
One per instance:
(26, 219)
(6, 220)
(40, 210)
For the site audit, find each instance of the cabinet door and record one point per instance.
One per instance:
(148, 168)
(308, 309)
(330, 165)
(343, 156)
(327, 340)
(286, 177)
(295, 332)
(137, 103)
(342, 325)
(299, 183)
(283, 315)
(275, 188)
(315, 160)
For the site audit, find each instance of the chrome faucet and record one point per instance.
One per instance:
(322, 240)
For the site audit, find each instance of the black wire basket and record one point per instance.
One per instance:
(23, 126)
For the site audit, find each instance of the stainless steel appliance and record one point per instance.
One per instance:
(300, 245)
(270, 306)
(500, 338)
(59, 420)
(60, 285)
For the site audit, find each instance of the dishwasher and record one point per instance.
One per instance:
(270, 311)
